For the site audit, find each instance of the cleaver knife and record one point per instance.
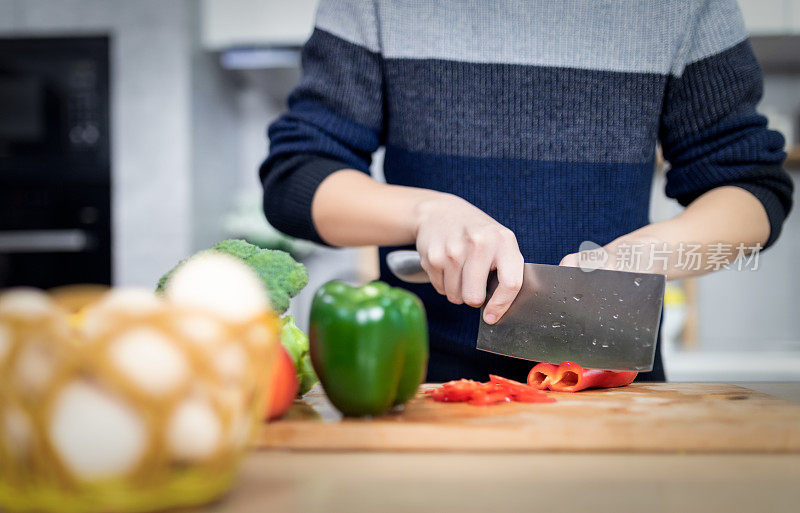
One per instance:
(598, 319)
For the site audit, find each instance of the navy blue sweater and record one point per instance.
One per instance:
(544, 114)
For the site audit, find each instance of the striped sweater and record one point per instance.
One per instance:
(545, 114)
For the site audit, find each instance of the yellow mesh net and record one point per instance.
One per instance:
(132, 404)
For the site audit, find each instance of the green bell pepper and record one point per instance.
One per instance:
(369, 345)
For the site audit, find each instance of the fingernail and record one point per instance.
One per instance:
(490, 318)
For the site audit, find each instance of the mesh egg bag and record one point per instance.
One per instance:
(138, 402)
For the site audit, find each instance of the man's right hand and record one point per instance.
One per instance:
(459, 245)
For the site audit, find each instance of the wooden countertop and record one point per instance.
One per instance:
(311, 481)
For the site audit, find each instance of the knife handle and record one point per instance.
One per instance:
(406, 264)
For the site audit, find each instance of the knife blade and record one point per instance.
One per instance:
(599, 319)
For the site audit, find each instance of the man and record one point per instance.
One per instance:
(515, 130)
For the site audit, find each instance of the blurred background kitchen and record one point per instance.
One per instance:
(131, 133)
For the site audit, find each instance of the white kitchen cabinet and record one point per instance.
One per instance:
(771, 17)
(244, 23)
(795, 12)
(766, 16)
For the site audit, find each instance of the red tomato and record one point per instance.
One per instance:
(284, 386)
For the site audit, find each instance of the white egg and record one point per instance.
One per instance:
(96, 434)
(131, 301)
(5, 341)
(218, 283)
(26, 303)
(194, 431)
(34, 366)
(231, 361)
(150, 360)
(201, 330)
(17, 431)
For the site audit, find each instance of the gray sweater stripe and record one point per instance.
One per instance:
(620, 35)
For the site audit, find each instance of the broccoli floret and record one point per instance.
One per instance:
(282, 276)
(237, 247)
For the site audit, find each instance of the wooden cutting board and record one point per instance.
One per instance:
(641, 417)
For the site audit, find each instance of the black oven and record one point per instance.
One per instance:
(55, 168)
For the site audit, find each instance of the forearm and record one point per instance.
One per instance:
(458, 243)
(352, 209)
(715, 224)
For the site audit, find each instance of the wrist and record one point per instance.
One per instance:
(426, 205)
(645, 250)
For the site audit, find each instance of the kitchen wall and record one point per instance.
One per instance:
(175, 128)
(216, 158)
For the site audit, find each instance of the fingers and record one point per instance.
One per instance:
(458, 253)
(454, 262)
(443, 266)
(433, 263)
(510, 267)
(475, 273)
(571, 260)
(460, 269)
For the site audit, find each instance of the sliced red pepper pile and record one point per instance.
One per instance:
(571, 377)
(496, 390)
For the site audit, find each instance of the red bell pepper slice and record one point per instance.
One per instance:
(571, 377)
(520, 391)
(508, 384)
(455, 391)
(437, 394)
(497, 390)
(541, 375)
(486, 398)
